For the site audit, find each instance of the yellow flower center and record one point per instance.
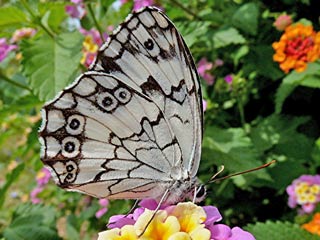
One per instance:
(307, 193)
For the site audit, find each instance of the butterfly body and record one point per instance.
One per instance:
(131, 126)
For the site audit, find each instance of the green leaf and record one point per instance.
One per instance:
(53, 14)
(192, 31)
(50, 65)
(12, 16)
(32, 222)
(260, 59)
(280, 231)
(11, 177)
(24, 103)
(307, 78)
(226, 37)
(233, 149)
(311, 81)
(274, 130)
(277, 137)
(246, 18)
(316, 151)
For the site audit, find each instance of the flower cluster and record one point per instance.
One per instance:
(137, 4)
(76, 10)
(304, 191)
(204, 68)
(5, 48)
(175, 222)
(104, 207)
(314, 225)
(282, 22)
(298, 46)
(22, 33)
(91, 44)
(42, 178)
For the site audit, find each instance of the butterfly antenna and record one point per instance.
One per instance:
(213, 179)
(215, 175)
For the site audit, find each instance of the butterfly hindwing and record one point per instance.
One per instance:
(130, 127)
(149, 54)
(103, 138)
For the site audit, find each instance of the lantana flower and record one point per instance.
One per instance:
(298, 46)
(204, 68)
(204, 105)
(142, 3)
(91, 44)
(314, 225)
(5, 48)
(42, 178)
(137, 4)
(228, 78)
(23, 33)
(304, 191)
(104, 207)
(184, 221)
(282, 22)
(76, 10)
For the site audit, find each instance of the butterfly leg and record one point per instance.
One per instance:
(164, 196)
(136, 202)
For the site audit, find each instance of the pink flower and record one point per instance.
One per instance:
(101, 212)
(228, 78)
(224, 232)
(5, 49)
(103, 202)
(91, 44)
(34, 195)
(141, 3)
(282, 22)
(204, 105)
(76, 10)
(218, 231)
(203, 69)
(304, 191)
(218, 63)
(23, 33)
(43, 177)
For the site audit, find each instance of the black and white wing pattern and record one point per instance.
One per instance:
(130, 127)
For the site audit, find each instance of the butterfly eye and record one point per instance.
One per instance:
(201, 192)
(123, 95)
(149, 44)
(75, 124)
(107, 102)
(70, 147)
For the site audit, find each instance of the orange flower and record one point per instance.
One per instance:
(314, 225)
(298, 45)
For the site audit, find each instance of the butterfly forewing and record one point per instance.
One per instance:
(132, 125)
(148, 53)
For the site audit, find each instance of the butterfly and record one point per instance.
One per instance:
(131, 126)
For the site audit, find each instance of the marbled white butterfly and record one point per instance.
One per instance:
(131, 126)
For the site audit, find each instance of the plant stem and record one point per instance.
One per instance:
(5, 78)
(187, 10)
(241, 112)
(95, 22)
(37, 19)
